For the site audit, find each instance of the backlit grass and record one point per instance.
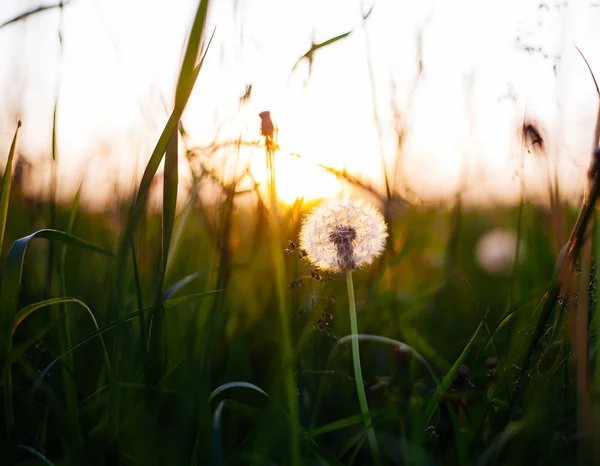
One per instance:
(202, 335)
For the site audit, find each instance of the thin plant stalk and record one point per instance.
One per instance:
(360, 387)
(287, 358)
(388, 188)
(581, 343)
(596, 407)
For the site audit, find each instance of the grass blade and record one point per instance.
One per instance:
(180, 225)
(188, 75)
(398, 343)
(447, 380)
(27, 310)
(217, 435)
(157, 359)
(337, 425)
(140, 302)
(9, 296)
(34, 11)
(511, 430)
(37, 454)
(12, 275)
(226, 386)
(101, 331)
(64, 328)
(181, 283)
(19, 318)
(6, 183)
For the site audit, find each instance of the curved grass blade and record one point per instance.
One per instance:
(391, 341)
(187, 79)
(217, 440)
(217, 391)
(6, 184)
(186, 299)
(100, 331)
(9, 296)
(226, 386)
(511, 430)
(34, 11)
(184, 90)
(314, 447)
(28, 310)
(336, 425)
(447, 380)
(181, 283)
(37, 454)
(11, 280)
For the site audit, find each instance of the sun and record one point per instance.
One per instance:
(297, 178)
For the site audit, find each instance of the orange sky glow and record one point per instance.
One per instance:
(484, 67)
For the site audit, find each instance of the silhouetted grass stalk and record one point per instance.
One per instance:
(596, 381)
(287, 357)
(189, 72)
(6, 185)
(376, 119)
(581, 344)
(578, 243)
(4, 201)
(565, 266)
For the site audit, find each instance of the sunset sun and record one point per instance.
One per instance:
(297, 178)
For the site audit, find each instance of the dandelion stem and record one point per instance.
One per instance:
(360, 388)
(287, 357)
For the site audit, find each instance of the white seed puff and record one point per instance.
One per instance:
(343, 234)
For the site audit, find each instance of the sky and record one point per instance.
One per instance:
(458, 76)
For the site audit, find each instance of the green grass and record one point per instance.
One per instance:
(220, 360)
(190, 337)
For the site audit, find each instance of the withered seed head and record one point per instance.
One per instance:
(266, 125)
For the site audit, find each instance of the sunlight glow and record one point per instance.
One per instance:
(457, 103)
(296, 178)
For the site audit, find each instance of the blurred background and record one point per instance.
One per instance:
(435, 92)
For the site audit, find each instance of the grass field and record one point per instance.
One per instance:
(201, 335)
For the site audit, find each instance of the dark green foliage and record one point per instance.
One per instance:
(467, 419)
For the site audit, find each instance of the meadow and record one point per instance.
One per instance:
(203, 335)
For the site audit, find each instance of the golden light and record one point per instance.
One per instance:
(296, 178)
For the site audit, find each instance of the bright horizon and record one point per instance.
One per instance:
(119, 62)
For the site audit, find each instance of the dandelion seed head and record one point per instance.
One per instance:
(343, 234)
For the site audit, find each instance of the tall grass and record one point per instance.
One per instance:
(418, 420)
(192, 338)
(279, 275)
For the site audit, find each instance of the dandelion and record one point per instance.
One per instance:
(343, 235)
(340, 236)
